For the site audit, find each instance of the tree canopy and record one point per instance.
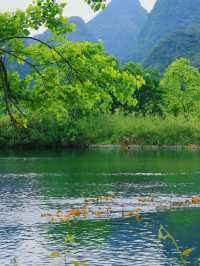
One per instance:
(15, 32)
(181, 88)
(63, 78)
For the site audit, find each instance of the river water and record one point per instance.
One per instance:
(34, 183)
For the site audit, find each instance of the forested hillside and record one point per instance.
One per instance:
(167, 17)
(183, 43)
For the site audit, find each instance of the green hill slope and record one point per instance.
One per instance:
(167, 17)
(184, 43)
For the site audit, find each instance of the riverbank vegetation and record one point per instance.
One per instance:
(46, 131)
(64, 93)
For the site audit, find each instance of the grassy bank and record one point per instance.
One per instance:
(104, 129)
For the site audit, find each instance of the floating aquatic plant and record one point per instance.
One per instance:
(164, 235)
(80, 263)
(103, 207)
(69, 239)
(55, 254)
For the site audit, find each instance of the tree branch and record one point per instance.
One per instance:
(6, 89)
(43, 43)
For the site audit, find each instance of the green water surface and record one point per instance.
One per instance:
(37, 182)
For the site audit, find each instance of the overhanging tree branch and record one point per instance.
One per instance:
(8, 95)
(6, 89)
(43, 43)
(33, 66)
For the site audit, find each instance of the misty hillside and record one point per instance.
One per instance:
(183, 43)
(118, 26)
(167, 17)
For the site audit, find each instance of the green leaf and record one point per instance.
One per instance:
(69, 238)
(80, 263)
(55, 254)
(187, 252)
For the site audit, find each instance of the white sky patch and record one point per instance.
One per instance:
(148, 4)
(74, 7)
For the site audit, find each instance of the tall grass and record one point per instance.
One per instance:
(103, 129)
(113, 129)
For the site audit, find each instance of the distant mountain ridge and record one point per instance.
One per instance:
(117, 26)
(82, 32)
(171, 30)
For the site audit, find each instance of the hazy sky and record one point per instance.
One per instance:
(74, 7)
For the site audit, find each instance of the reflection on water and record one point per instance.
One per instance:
(33, 183)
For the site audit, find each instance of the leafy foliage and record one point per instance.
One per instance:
(15, 28)
(149, 96)
(74, 89)
(96, 84)
(96, 4)
(181, 86)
